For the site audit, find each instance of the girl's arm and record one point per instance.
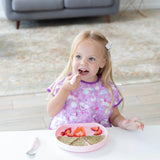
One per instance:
(58, 101)
(118, 120)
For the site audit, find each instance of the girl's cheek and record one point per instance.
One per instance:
(95, 68)
(74, 67)
(95, 63)
(73, 64)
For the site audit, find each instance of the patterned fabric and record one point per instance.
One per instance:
(86, 104)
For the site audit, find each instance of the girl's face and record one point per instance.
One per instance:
(88, 58)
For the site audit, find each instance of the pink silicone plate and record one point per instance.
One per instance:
(87, 127)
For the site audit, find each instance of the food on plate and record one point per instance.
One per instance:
(74, 141)
(81, 137)
(66, 140)
(78, 137)
(79, 132)
(95, 128)
(99, 132)
(94, 139)
(79, 142)
(67, 132)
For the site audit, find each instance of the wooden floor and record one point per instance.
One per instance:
(28, 112)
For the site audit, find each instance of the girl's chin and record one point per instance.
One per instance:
(88, 79)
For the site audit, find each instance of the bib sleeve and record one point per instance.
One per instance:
(58, 86)
(117, 97)
(49, 89)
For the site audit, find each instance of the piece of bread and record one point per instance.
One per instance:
(94, 139)
(67, 140)
(79, 142)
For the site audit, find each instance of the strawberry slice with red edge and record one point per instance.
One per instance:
(67, 132)
(79, 132)
(95, 128)
(62, 133)
(98, 132)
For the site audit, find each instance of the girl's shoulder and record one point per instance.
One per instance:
(112, 85)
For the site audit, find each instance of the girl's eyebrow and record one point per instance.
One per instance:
(95, 56)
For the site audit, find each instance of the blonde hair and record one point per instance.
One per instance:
(105, 72)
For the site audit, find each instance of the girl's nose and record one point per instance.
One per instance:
(84, 62)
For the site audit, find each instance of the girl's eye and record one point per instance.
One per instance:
(92, 59)
(78, 56)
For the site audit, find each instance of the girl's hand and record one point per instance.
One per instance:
(72, 82)
(132, 124)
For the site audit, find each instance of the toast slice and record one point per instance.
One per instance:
(94, 139)
(79, 142)
(67, 140)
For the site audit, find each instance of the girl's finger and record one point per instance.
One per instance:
(126, 121)
(69, 77)
(135, 119)
(78, 77)
(73, 79)
(141, 126)
(132, 126)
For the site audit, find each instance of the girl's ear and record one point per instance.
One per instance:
(103, 63)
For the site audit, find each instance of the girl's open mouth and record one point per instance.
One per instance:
(83, 72)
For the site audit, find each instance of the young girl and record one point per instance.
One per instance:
(85, 91)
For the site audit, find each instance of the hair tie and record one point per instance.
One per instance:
(108, 45)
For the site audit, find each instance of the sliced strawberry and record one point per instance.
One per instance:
(95, 128)
(68, 130)
(62, 133)
(79, 132)
(98, 132)
(83, 131)
(69, 134)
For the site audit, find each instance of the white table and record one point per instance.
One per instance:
(121, 145)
